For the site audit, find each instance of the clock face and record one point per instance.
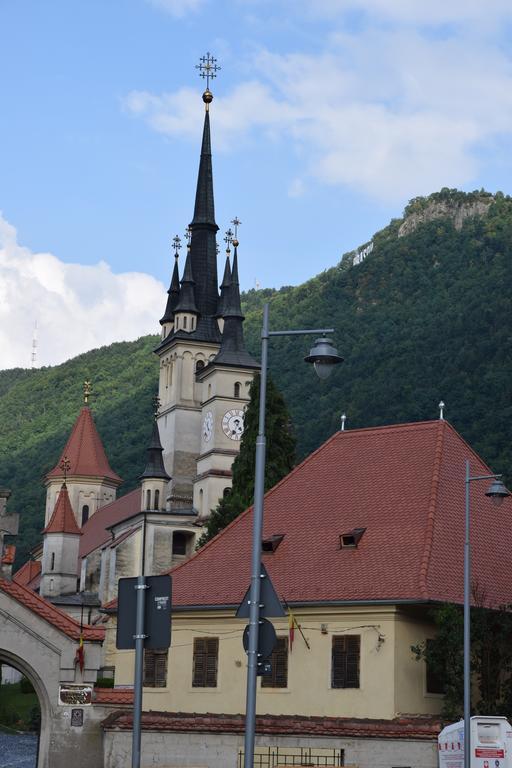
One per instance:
(233, 424)
(208, 426)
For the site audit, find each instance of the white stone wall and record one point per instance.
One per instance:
(221, 750)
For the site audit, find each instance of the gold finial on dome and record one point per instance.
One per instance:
(208, 69)
(236, 223)
(87, 391)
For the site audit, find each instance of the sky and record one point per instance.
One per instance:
(328, 117)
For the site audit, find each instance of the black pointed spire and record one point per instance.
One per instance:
(187, 302)
(174, 294)
(155, 463)
(232, 349)
(224, 288)
(204, 208)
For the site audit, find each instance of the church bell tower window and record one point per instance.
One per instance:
(148, 499)
(85, 513)
(157, 499)
(237, 389)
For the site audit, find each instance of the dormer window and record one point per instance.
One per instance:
(272, 542)
(351, 539)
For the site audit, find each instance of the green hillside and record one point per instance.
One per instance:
(426, 316)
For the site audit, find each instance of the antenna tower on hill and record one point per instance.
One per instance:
(33, 356)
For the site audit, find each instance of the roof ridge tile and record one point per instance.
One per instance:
(432, 507)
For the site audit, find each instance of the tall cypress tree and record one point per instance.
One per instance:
(280, 457)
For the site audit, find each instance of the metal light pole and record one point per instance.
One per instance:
(497, 492)
(323, 355)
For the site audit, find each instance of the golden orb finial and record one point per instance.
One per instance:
(235, 242)
(207, 96)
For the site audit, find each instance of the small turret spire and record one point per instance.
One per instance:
(174, 288)
(225, 287)
(155, 464)
(187, 301)
(232, 349)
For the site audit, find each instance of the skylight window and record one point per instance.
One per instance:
(351, 539)
(272, 542)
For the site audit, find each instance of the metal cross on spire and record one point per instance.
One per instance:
(228, 239)
(87, 391)
(176, 244)
(188, 235)
(441, 407)
(208, 68)
(236, 223)
(65, 465)
(156, 406)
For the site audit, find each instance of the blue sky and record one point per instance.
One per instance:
(328, 117)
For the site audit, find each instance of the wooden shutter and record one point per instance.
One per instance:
(155, 668)
(279, 661)
(345, 661)
(205, 662)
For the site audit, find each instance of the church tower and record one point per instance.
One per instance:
(204, 368)
(91, 482)
(61, 541)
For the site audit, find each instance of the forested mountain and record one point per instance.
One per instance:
(422, 313)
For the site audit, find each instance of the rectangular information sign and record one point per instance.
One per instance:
(157, 613)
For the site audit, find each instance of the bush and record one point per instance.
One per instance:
(105, 682)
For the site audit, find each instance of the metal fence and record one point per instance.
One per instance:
(274, 757)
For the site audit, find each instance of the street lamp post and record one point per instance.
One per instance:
(497, 492)
(323, 356)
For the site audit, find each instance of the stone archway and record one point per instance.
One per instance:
(41, 641)
(18, 663)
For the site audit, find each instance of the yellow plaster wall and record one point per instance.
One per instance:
(410, 675)
(308, 692)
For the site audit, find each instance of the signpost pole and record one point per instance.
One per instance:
(139, 655)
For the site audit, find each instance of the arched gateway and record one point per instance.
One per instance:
(41, 641)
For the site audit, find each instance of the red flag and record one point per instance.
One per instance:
(80, 654)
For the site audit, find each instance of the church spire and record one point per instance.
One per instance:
(174, 288)
(155, 465)
(232, 349)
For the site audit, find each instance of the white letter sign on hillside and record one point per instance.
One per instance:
(361, 255)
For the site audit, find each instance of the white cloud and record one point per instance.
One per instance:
(178, 8)
(420, 11)
(77, 307)
(392, 113)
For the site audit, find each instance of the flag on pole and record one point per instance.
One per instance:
(291, 628)
(80, 653)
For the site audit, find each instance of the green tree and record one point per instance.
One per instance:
(280, 457)
(491, 658)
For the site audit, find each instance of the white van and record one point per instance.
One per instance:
(491, 743)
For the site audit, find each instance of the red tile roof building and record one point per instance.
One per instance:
(404, 485)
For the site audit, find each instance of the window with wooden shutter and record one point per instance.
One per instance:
(345, 661)
(279, 661)
(205, 662)
(155, 668)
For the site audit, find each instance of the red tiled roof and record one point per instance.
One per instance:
(63, 518)
(121, 696)
(85, 451)
(49, 612)
(94, 532)
(342, 727)
(28, 572)
(405, 485)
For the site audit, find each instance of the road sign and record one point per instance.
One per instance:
(269, 601)
(267, 639)
(157, 614)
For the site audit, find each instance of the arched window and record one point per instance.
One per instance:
(226, 492)
(201, 501)
(237, 388)
(52, 564)
(148, 499)
(185, 321)
(179, 543)
(157, 499)
(85, 513)
(199, 365)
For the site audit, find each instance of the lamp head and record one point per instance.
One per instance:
(497, 492)
(323, 356)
